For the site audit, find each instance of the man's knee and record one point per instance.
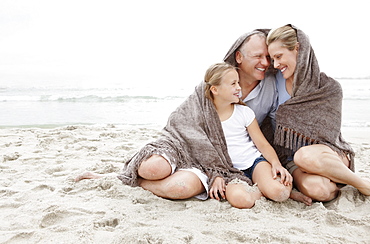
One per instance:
(154, 168)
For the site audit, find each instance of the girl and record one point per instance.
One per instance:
(248, 149)
(192, 154)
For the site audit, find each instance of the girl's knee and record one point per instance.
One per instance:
(184, 185)
(277, 192)
(238, 197)
(154, 168)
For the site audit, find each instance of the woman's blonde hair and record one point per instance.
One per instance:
(286, 34)
(214, 76)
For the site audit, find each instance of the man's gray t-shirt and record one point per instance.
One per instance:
(263, 99)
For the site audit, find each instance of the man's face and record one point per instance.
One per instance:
(253, 58)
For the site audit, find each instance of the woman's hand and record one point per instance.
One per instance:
(218, 189)
(285, 177)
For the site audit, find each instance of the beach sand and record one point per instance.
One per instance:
(41, 203)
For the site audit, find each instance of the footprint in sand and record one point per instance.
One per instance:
(11, 157)
(108, 222)
(50, 219)
(44, 187)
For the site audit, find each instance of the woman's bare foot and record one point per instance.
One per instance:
(88, 175)
(300, 197)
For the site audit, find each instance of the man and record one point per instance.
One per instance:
(249, 53)
(258, 84)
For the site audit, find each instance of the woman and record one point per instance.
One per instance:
(308, 121)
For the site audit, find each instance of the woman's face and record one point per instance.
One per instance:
(284, 59)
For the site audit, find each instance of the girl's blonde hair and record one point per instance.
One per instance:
(286, 34)
(214, 76)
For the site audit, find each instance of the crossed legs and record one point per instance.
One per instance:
(156, 176)
(320, 168)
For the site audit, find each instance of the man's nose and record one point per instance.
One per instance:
(265, 61)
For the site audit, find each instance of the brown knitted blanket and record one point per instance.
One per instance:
(193, 137)
(314, 113)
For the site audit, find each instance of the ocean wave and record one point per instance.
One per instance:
(358, 124)
(86, 98)
(357, 98)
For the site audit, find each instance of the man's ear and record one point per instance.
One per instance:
(297, 46)
(238, 57)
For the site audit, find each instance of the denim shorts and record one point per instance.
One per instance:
(249, 172)
(289, 164)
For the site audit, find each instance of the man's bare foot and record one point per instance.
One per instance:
(300, 197)
(88, 175)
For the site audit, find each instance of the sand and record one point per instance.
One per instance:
(41, 203)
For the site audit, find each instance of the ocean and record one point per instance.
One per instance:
(48, 106)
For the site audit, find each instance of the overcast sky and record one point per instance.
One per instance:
(164, 42)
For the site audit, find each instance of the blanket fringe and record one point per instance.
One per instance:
(290, 139)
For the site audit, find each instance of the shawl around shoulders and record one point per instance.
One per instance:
(313, 114)
(193, 137)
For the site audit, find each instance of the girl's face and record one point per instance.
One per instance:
(229, 89)
(284, 60)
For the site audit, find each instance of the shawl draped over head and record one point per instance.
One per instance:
(193, 137)
(314, 112)
(230, 55)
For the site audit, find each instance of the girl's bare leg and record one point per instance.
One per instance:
(300, 197)
(180, 185)
(238, 196)
(270, 187)
(91, 175)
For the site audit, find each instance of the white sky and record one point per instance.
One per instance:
(168, 43)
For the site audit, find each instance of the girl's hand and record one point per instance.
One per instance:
(218, 189)
(285, 177)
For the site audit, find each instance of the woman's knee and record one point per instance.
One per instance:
(320, 190)
(313, 159)
(307, 158)
(154, 168)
